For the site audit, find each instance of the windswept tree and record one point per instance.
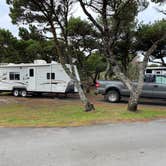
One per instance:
(85, 43)
(146, 35)
(34, 45)
(95, 65)
(32, 34)
(8, 47)
(53, 16)
(160, 2)
(114, 15)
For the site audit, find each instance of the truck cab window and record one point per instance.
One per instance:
(161, 79)
(149, 78)
(31, 72)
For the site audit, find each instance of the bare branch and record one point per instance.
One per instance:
(90, 16)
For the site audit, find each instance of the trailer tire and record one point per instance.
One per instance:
(23, 93)
(16, 92)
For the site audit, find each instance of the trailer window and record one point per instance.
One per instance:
(31, 72)
(51, 76)
(149, 71)
(48, 76)
(14, 76)
(158, 72)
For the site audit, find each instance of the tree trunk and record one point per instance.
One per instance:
(88, 106)
(95, 78)
(135, 90)
(107, 71)
(133, 102)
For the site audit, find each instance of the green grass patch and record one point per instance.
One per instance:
(21, 115)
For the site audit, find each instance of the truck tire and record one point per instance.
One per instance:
(23, 93)
(112, 96)
(16, 92)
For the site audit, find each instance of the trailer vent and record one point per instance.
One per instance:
(40, 62)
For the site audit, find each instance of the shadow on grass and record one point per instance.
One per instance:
(46, 96)
(75, 97)
(143, 101)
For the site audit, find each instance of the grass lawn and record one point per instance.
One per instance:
(43, 113)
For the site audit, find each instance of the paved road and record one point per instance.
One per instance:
(133, 144)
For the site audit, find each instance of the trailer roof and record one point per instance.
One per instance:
(158, 67)
(35, 64)
(24, 65)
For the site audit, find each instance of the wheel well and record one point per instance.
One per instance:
(112, 88)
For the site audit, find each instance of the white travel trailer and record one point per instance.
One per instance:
(156, 70)
(38, 77)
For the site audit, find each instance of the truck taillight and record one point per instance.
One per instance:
(97, 85)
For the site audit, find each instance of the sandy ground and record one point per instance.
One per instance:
(74, 99)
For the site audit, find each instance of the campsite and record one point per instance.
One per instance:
(82, 82)
(61, 111)
(54, 63)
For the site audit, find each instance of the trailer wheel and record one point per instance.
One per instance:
(16, 92)
(23, 93)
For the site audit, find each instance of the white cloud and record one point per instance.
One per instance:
(149, 15)
(5, 20)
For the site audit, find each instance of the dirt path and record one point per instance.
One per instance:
(74, 99)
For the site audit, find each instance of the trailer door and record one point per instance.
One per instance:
(32, 79)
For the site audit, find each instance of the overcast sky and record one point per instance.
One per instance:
(149, 15)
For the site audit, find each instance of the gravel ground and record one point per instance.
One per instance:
(125, 144)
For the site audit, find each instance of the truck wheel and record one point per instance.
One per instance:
(23, 93)
(112, 96)
(16, 92)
